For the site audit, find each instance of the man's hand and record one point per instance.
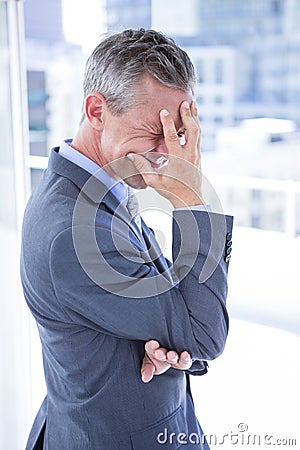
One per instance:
(158, 360)
(180, 181)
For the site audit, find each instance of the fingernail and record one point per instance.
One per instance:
(146, 381)
(186, 357)
(164, 112)
(162, 357)
(131, 156)
(186, 105)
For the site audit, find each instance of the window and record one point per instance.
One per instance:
(37, 111)
(219, 76)
(218, 119)
(15, 395)
(276, 7)
(200, 71)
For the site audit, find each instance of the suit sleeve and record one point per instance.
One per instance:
(105, 281)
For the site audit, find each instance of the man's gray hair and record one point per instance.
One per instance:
(119, 61)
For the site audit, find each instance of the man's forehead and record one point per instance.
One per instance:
(149, 87)
(150, 113)
(152, 124)
(152, 96)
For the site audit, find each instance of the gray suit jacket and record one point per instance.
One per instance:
(98, 289)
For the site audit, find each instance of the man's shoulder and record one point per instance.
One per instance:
(53, 197)
(50, 209)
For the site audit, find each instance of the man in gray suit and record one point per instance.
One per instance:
(108, 304)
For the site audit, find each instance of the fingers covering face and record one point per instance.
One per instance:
(189, 116)
(169, 129)
(190, 122)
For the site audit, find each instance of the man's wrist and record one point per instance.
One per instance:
(202, 207)
(187, 203)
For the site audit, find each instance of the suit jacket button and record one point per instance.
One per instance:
(228, 236)
(227, 258)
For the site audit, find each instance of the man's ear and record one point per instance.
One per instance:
(94, 105)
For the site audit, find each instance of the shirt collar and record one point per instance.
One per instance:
(118, 188)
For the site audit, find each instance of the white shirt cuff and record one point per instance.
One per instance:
(195, 208)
